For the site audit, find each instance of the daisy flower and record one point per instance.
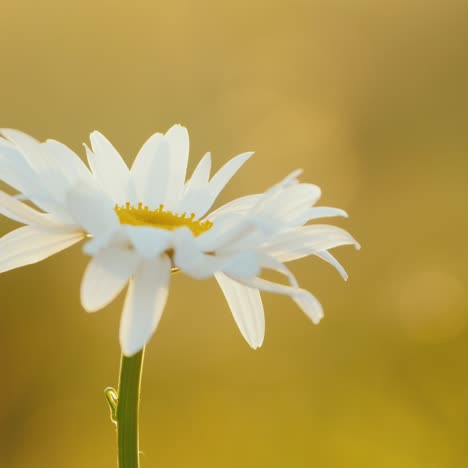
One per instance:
(141, 223)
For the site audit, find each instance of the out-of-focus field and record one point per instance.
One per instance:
(371, 99)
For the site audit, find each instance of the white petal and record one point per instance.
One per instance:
(217, 184)
(304, 299)
(28, 244)
(144, 304)
(15, 170)
(267, 261)
(329, 258)
(154, 185)
(189, 257)
(49, 169)
(323, 212)
(109, 168)
(246, 307)
(243, 264)
(72, 166)
(148, 241)
(178, 141)
(240, 205)
(287, 207)
(105, 276)
(141, 167)
(92, 209)
(227, 231)
(195, 189)
(288, 181)
(307, 240)
(18, 211)
(201, 174)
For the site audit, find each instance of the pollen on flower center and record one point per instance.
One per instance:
(141, 215)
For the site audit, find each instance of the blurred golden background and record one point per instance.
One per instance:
(371, 99)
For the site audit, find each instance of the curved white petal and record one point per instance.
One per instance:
(109, 168)
(246, 307)
(307, 240)
(267, 261)
(304, 299)
(73, 168)
(240, 205)
(92, 209)
(144, 304)
(323, 212)
(287, 207)
(178, 142)
(105, 276)
(18, 211)
(27, 245)
(47, 168)
(329, 258)
(16, 171)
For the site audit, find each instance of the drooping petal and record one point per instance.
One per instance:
(178, 141)
(15, 170)
(47, 168)
(73, 168)
(144, 304)
(18, 211)
(105, 276)
(329, 258)
(307, 240)
(109, 168)
(323, 212)
(246, 307)
(92, 209)
(285, 208)
(27, 245)
(304, 299)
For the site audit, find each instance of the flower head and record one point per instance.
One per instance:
(140, 223)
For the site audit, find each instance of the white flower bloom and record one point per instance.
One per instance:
(141, 223)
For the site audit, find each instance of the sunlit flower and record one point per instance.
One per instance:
(144, 222)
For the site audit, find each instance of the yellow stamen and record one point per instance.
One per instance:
(142, 216)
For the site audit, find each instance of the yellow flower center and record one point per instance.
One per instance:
(142, 216)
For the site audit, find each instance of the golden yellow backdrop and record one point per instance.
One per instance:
(370, 98)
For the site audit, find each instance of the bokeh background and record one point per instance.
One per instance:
(371, 99)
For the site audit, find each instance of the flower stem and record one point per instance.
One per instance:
(128, 404)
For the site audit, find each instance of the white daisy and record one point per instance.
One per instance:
(144, 222)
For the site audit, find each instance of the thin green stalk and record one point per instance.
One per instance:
(126, 410)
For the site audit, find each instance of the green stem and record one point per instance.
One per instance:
(127, 410)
